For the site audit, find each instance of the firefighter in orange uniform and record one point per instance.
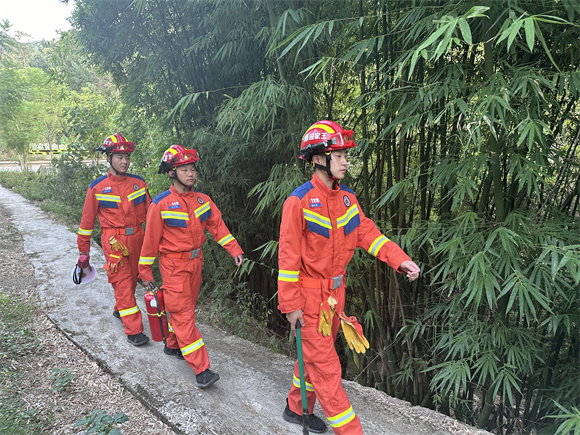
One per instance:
(120, 200)
(322, 224)
(176, 224)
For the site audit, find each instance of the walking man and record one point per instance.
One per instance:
(176, 224)
(120, 201)
(322, 224)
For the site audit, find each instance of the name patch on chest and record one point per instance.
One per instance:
(174, 205)
(315, 202)
(107, 189)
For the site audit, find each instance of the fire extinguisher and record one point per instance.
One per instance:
(156, 310)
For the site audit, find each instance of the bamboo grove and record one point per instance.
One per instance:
(466, 115)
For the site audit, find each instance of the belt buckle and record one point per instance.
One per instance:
(129, 231)
(193, 254)
(336, 282)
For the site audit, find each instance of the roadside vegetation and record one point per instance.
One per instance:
(467, 121)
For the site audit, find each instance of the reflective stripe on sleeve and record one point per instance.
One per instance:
(288, 275)
(84, 232)
(377, 245)
(225, 240)
(146, 261)
(342, 418)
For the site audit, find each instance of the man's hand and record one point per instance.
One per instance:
(292, 317)
(149, 284)
(85, 253)
(239, 259)
(411, 269)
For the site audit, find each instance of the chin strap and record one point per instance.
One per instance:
(325, 168)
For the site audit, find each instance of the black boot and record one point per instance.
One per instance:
(173, 352)
(206, 378)
(315, 424)
(137, 339)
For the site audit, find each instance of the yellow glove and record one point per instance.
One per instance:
(326, 316)
(118, 246)
(113, 263)
(353, 333)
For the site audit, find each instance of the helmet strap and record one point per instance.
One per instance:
(327, 167)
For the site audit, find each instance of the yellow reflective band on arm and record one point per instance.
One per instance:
(192, 347)
(115, 256)
(377, 245)
(225, 240)
(146, 261)
(309, 387)
(201, 210)
(84, 232)
(345, 219)
(129, 311)
(288, 275)
(136, 194)
(166, 214)
(103, 197)
(317, 219)
(342, 418)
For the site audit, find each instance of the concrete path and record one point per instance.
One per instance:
(250, 396)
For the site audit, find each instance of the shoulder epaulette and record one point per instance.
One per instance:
(97, 181)
(346, 189)
(301, 191)
(161, 196)
(135, 176)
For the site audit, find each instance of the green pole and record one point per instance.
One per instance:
(305, 415)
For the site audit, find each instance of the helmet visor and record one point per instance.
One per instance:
(345, 138)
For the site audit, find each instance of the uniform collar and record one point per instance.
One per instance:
(172, 189)
(117, 178)
(320, 185)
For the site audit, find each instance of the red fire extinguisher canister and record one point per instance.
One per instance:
(155, 313)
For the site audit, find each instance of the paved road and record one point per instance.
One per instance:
(250, 396)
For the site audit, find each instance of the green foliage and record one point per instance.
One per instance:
(101, 423)
(62, 379)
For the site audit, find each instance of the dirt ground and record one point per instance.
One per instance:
(91, 388)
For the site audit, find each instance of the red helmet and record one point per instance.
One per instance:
(325, 136)
(116, 144)
(175, 156)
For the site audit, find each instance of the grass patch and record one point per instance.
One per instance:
(16, 341)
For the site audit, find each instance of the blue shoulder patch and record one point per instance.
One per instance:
(301, 191)
(135, 176)
(346, 189)
(161, 196)
(97, 181)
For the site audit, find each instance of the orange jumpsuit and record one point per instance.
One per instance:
(176, 224)
(121, 205)
(319, 232)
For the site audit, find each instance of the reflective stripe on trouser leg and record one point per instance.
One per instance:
(180, 289)
(171, 339)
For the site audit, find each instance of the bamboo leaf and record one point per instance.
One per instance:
(530, 34)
